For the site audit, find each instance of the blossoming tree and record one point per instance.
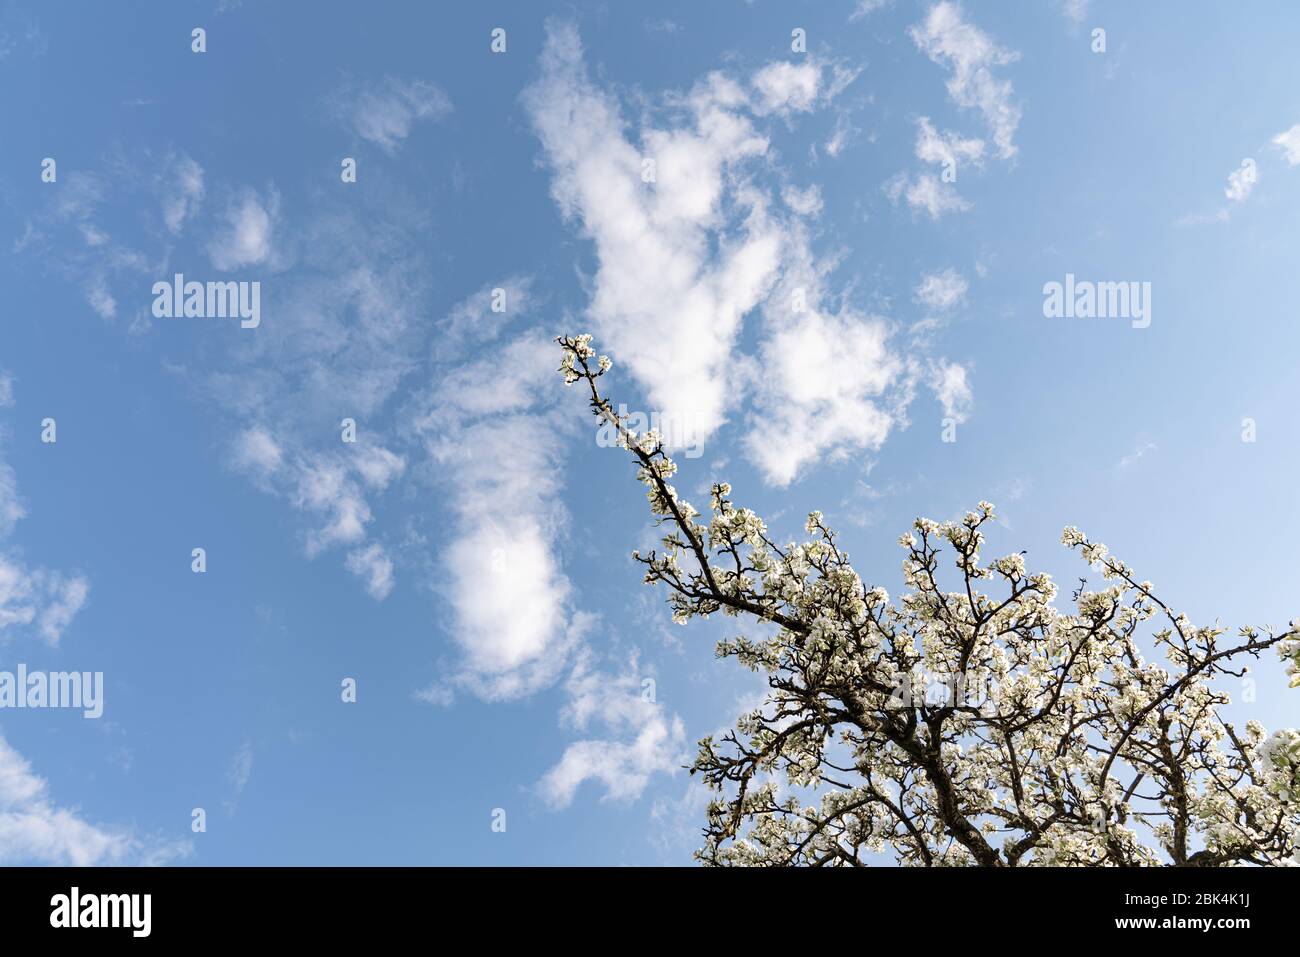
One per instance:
(1051, 740)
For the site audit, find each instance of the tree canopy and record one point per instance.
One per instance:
(970, 721)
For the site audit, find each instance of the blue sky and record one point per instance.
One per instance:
(466, 560)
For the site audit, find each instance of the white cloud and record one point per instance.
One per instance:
(255, 451)
(951, 388)
(21, 35)
(473, 319)
(6, 389)
(239, 773)
(373, 566)
(385, 112)
(971, 54)
(437, 693)
(241, 768)
(35, 599)
(349, 327)
(821, 374)
(322, 485)
(937, 195)
(926, 192)
(351, 330)
(378, 466)
(248, 236)
(643, 737)
(826, 379)
(684, 259)
(866, 7)
(941, 290)
(1289, 143)
(68, 237)
(34, 830)
(38, 598)
(1200, 219)
(1076, 11)
(1241, 181)
(785, 87)
(509, 594)
(840, 136)
(93, 235)
(181, 187)
(492, 435)
(331, 486)
(11, 507)
(805, 202)
(1139, 452)
(945, 149)
(64, 597)
(101, 300)
(663, 300)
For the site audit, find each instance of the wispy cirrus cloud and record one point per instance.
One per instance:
(180, 185)
(1143, 448)
(69, 236)
(941, 290)
(239, 773)
(926, 192)
(1075, 11)
(864, 8)
(343, 331)
(333, 487)
(384, 112)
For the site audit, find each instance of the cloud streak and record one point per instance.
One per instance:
(384, 112)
